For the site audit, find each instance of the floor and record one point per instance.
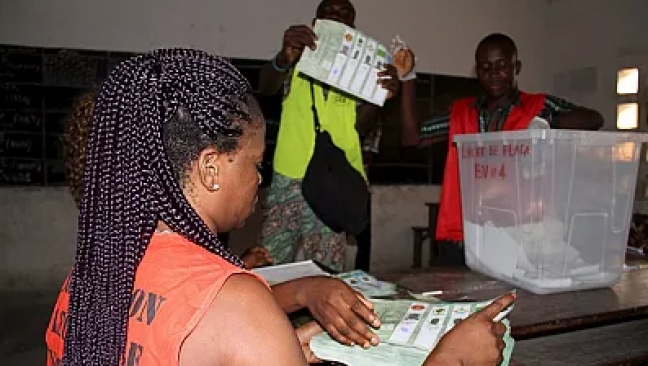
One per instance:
(23, 319)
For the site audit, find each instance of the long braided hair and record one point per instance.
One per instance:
(130, 184)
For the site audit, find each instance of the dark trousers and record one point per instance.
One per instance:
(451, 254)
(363, 241)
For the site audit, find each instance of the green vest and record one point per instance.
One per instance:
(296, 138)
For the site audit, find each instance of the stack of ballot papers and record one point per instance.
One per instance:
(359, 280)
(290, 271)
(409, 331)
(367, 284)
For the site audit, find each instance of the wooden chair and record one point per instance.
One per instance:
(422, 233)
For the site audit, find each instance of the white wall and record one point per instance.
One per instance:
(444, 33)
(605, 36)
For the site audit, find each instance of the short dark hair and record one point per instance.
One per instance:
(497, 39)
(323, 3)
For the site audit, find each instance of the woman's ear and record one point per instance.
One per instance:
(209, 162)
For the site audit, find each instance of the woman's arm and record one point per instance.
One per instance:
(244, 326)
(345, 314)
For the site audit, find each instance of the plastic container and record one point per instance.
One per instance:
(548, 210)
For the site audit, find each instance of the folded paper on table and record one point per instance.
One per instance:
(289, 271)
(346, 59)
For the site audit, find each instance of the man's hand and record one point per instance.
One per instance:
(296, 38)
(345, 314)
(389, 80)
(305, 333)
(478, 340)
(256, 257)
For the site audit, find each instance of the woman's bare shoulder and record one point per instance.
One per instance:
(243, 326)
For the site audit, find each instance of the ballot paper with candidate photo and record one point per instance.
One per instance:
(409, 331)
(347, 60)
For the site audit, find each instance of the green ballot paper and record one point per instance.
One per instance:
(409, 331)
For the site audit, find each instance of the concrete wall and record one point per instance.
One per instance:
(394, 210)
(37, 237)
(38, 232)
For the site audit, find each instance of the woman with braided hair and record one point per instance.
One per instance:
(74, 143)
(171, 160)
(345, 314)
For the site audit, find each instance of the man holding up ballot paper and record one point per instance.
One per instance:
(297, 222)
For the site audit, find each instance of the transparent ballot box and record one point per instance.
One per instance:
(548, 210)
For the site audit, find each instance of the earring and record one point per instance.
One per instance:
(216, 186)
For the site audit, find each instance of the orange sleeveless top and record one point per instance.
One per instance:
(464, 118)
(175, 284)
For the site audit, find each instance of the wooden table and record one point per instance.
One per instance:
(550, 329)
(618, 344)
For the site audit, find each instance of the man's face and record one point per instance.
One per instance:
(496, 68)
(338, 10)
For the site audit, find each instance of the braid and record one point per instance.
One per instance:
(130, 185)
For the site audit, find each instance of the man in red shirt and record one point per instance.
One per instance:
(500, 107)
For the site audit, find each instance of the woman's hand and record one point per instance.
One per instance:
(345, 314)
(477, 340)
(305, 333)
(256, 257)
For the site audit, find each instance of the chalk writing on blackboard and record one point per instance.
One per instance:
(21, 172)
(71, 68)
(21, 145)
(20, 67)
(20, 96)
(21, 121)
(37, 88)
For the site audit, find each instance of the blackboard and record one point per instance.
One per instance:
(38, 86)
(37, 89)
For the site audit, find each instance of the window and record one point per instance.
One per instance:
(627, 99)
(628, 81)
(627, 116)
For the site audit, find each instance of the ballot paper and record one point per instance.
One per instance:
(367, 284)
(290, 271)
(346, 59)
(409, 331)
